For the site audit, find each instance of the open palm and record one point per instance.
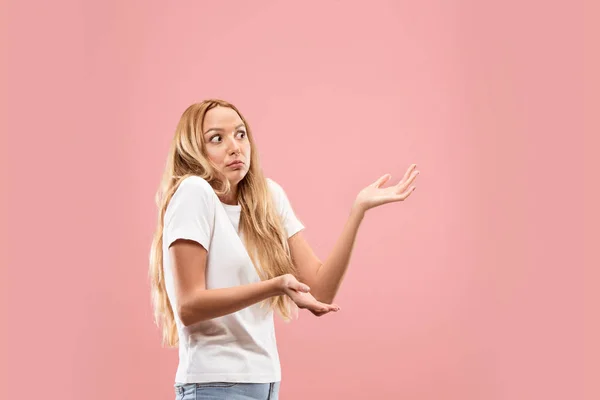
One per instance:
(299, 294)
(308, 302)
(375, 195)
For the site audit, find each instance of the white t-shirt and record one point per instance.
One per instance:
(239, 347)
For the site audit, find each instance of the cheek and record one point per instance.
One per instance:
(215, 156)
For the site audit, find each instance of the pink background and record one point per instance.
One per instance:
(480, 286)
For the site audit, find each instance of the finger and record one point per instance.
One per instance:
(408, 172)
(301, 287)
(322, 308)
(381, 181)
(330, 307)
(402, 186)
(328, 310)
(403, 196)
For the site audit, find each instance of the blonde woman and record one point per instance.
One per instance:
(228, 251)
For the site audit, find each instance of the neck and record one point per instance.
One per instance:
(231, 197)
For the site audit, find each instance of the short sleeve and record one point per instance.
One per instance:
(191, 213)
(291, 223)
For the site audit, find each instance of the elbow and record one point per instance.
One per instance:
(326, 299)
(186, 316)
(189, 316)
(323, 297)
(183, 314)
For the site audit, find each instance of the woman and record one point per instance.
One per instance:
(229, 250)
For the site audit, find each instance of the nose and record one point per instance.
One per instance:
(234, 146)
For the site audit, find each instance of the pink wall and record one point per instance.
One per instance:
(475, 288)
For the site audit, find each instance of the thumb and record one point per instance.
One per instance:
(301, 287)
(379, 182)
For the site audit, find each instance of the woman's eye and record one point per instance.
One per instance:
(243, 133)
(212, 139)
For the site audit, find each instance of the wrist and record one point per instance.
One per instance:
(358, 210)
(277, 285)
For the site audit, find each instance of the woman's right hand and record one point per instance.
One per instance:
(299, 293)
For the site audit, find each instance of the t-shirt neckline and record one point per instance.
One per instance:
(230, 207)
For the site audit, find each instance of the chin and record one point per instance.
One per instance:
(236, 176)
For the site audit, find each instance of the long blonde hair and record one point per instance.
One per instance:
(264, 234)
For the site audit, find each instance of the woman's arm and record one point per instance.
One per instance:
(326, 278)
(195, 303)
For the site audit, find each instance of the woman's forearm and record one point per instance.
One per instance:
(331, 273)
(206, 304)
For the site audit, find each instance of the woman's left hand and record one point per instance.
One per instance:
(374, 195)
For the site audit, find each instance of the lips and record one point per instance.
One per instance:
(234, 163)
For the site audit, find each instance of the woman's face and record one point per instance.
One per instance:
(226, 141)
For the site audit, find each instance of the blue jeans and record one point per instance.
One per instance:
(227, 390)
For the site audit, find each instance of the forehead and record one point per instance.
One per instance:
(221, 117)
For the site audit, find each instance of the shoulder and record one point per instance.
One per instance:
(274, 186)
(195, 186)
(192, 191)
(278, 194)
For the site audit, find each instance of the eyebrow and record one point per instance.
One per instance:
(222, 130)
